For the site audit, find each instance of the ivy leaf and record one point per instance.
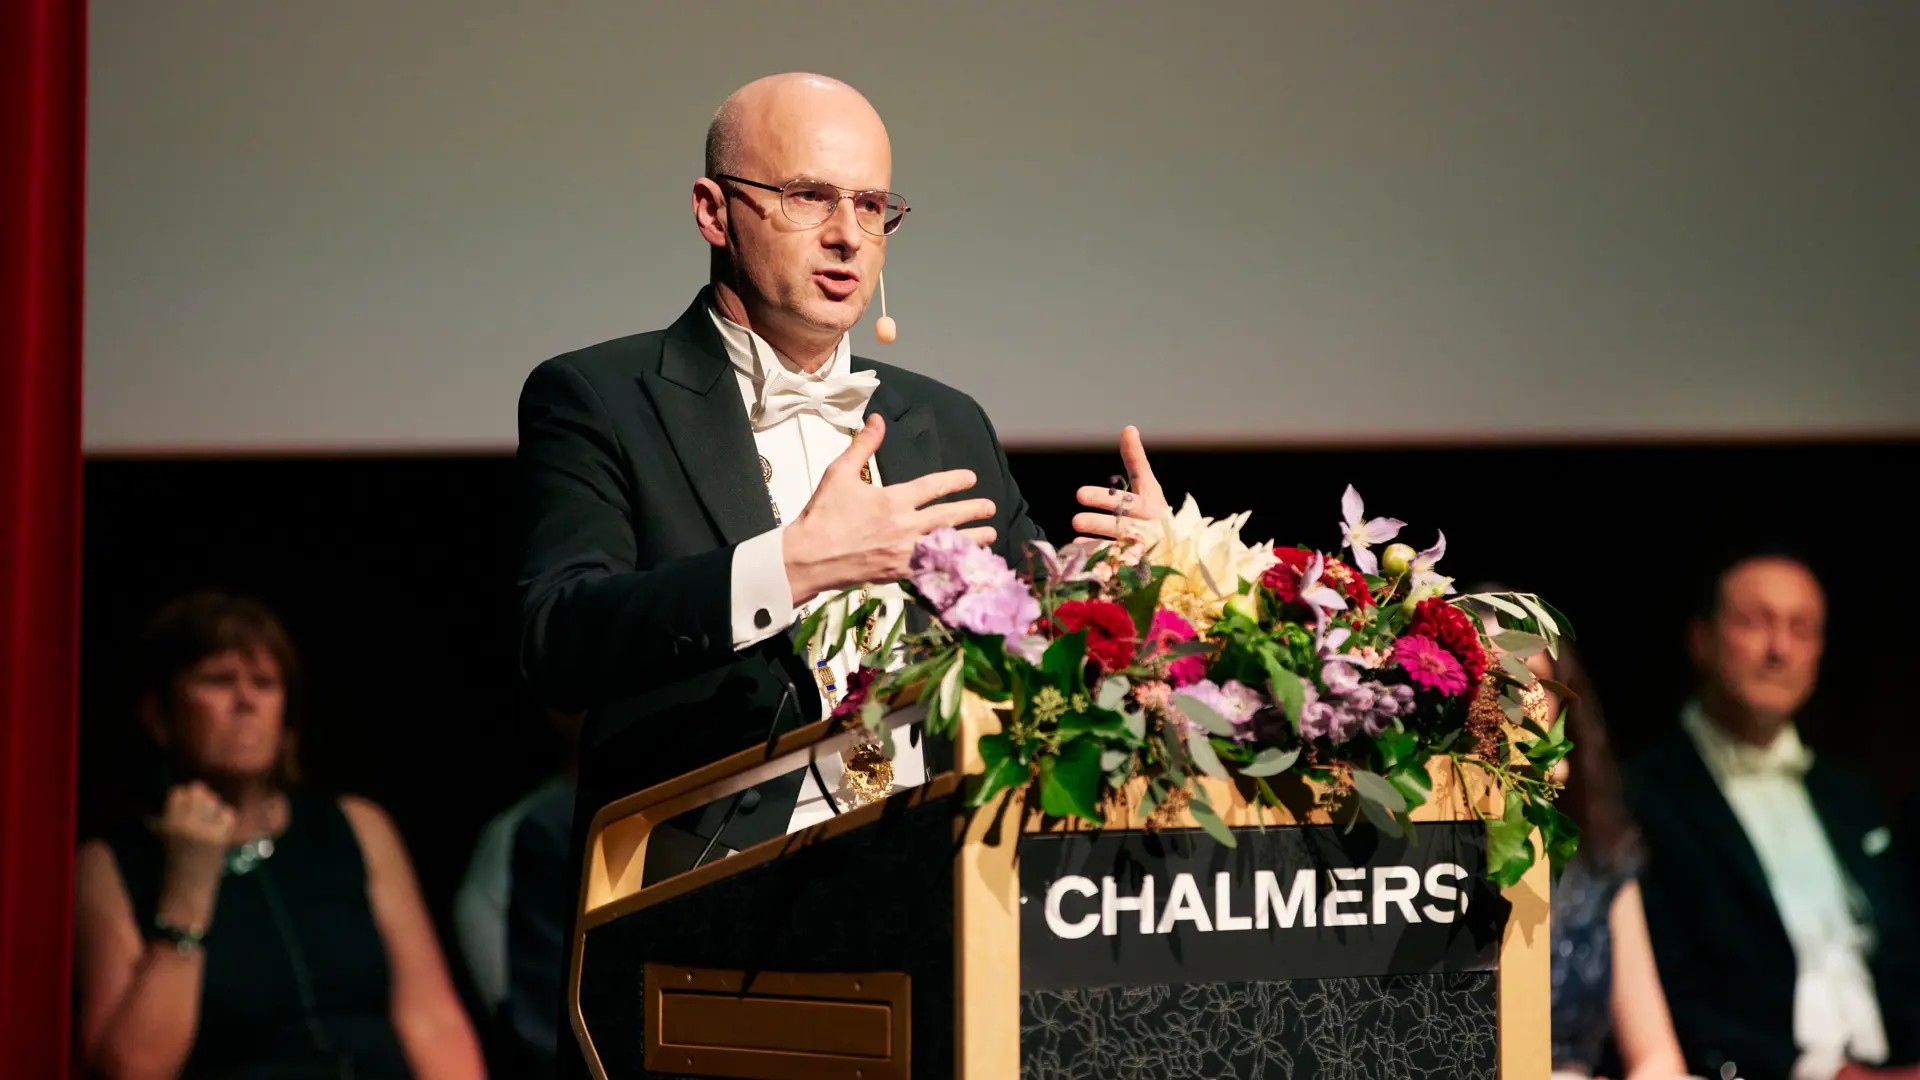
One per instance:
(1410, 779)
(1374, 786)
(1065, 662)
(1204, 757)
(1395, 746)
(1558, 834)
(1201, 713)
(1271, 762)
(1203, 813)
(1003, 769)
(1113, 694)
(1509, 843)
(1093, 722)
(1070, 782)
(1144, 601)
(1519, 643)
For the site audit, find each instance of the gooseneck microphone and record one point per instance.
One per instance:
(883, 327)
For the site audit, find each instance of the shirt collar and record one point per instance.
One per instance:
(1727, 757)
(753, 357)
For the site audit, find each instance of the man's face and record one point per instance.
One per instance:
(1762, 647)
(806, 282)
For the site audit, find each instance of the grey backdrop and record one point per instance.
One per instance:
(356, 225)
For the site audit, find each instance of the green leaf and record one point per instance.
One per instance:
(1271, 762)
(1136, 719)
(1395, 745)
(1532, 604)
(1410, 779)
(947, 700)
(1003, 769)
(1201, 713)
(1204, 757)
(1145, 600)
(1070, 782)
(1374, 786)
(985, 666)
(1565, 624)
(1113, 758)
(1182, 650)
(1509, 843)
(1558, 834)
(1203, 813)
(1288, 691)
(1156, 794)
(809, 628)
(1094, 721)
(1065, 662)
(1520, 643)
(1113, 693)
(1499, 603)
(1381, 817)
(1515, 668)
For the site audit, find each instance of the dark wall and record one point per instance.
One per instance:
(395, 575)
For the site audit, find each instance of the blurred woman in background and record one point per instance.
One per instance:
(1605, 982)
(246, 928)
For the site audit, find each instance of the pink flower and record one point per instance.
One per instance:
(1169, 629)
(1429, 666)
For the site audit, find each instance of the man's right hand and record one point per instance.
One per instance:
(852, 533)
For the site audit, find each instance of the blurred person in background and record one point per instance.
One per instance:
(511, 912)
(1786, 937)
(244, 927)
(1606, 986)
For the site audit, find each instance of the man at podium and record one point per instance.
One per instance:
(690, 493)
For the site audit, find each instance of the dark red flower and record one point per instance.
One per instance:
(1111, 641)
(858, 684)
(1282, 579)
(1448, 625)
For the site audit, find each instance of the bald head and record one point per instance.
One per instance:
(794, 103)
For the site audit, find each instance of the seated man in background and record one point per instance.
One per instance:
(1785, 936)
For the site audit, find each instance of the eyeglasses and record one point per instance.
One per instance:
(811, 202)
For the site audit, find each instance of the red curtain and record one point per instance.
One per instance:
(43, 79)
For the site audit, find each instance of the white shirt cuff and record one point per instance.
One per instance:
(1818, 1065)
(762, 595)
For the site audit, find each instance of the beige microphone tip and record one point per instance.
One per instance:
(884, 329)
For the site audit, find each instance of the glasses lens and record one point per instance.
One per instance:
(809, 203)
(893, 211)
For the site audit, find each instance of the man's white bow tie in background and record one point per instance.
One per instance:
(840, 400)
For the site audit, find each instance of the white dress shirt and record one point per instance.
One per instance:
(799, 448)
(1835, 1014)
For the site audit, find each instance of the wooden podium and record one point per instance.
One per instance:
(913, 938)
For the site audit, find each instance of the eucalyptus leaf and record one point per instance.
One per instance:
(1203, 813)
(1519, 643)
(1271, 762)
(1113, 693)
(1287, 690)
(1136, 719)
(1204, 757)
(1499, 603)
(1532, 604)
(1374, 786)
(1516, 668)
(1202, 714)
(1381, 817)
(1155, 794)
(1113, 759)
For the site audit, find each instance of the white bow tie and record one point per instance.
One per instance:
(1785, 757)
(840, 400)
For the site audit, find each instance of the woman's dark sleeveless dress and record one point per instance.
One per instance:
(297, 983)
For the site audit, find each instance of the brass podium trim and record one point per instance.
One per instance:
(804, 1026)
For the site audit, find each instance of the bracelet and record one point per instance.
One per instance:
(185, 942)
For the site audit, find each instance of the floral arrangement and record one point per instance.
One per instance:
(1190, 652)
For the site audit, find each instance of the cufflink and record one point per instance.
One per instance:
(762, 619)
(1876, 840)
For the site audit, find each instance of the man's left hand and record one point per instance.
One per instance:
(1142, 501)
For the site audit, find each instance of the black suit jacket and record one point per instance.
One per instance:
(639, 477)
(1724, 956)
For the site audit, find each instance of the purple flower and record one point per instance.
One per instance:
(971, 588)
(1359, 533)
(1317, 595)
(1429, 666)
(1235, 701)
(1350, 706)
(1068, 564)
